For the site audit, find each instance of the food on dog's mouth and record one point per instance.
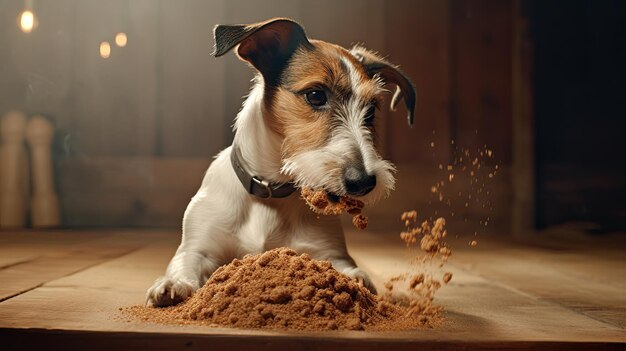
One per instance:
(280, 289)
(321, 203)
(359, 221)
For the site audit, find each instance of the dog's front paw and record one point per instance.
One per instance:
(361, 277)
(168, 291)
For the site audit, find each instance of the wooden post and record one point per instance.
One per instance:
(12, 176)
(45, 203)
(523, 170)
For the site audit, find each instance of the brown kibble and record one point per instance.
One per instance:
(279, 295)
(266, 258)
(305, 312)
(428, 243)
(409, 215)
(319, 307)
(359, 221)
(343, 301)
(473, 243)
(354, 324)
(320, 203)
(446, 277)
(354, 211)
(418, 279)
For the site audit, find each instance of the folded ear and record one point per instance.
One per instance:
(268, 45)
(390, 74)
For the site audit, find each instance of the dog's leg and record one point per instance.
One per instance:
(203, 249)
(323, 239)
(207, 241)
(186, 272)
(346, 265)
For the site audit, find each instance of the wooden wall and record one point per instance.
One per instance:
(162, 103)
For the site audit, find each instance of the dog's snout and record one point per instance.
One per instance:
(358, 182)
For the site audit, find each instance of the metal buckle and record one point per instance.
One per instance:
(265, 184)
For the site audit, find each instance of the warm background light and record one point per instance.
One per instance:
(121, 39)
(27, 21)
(105, 49)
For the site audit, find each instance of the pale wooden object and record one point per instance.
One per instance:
(45, 203)
(12, 175)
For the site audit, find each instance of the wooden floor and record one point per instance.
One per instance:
(63, 289)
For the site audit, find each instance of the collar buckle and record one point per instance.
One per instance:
(256, 185)
(265, 184)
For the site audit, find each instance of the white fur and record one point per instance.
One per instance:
(223, 221)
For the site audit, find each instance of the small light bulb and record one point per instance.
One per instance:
(105, 49)
(28, 21)
(121, 39)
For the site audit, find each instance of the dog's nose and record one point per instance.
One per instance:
(358, 182)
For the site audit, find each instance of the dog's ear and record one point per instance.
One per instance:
(268, 45)
(390, 74)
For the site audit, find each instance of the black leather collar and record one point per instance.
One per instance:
(256, 185)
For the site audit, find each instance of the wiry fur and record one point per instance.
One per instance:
(282, 140)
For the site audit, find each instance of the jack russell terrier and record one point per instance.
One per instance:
(308, 122)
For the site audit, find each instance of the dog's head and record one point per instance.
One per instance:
(321, 99)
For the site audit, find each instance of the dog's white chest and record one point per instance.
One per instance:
(265, 227)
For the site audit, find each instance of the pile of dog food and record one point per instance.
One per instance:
(281, 289)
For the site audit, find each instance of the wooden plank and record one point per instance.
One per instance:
(583, 282)
(33, 265)
(482, 314)
(20, 278)
(29, 339)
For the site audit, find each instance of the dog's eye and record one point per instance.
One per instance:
(369, 116)
(316, 98)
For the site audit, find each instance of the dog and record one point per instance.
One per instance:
(308, 122)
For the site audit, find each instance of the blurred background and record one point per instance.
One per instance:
(532, 91)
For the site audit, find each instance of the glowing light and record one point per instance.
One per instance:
(105, 49)
(28, 21)
(121, 39)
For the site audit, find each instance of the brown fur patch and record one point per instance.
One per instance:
(288, 113)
